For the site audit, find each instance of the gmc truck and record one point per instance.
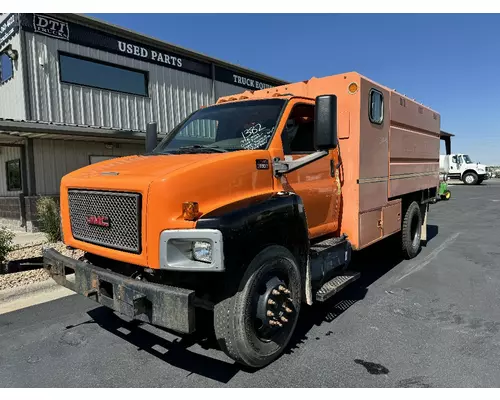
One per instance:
(461, 167)
(251, 208)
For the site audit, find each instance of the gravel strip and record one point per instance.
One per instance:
(36, 251)
(17, 279)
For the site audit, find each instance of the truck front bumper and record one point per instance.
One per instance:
(166, 306)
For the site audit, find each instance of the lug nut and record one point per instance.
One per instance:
(271, 302)
(272, 322)
(275, 292)
(270, 314)
(282, 288)
(286, 291)
(284, 320)
(288, 310)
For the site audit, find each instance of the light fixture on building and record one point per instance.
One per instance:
(109, 146)
(13, 54)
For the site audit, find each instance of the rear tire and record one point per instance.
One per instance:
(411, 231)
(242, 323)
(470, 178)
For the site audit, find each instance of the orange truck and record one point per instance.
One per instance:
(250, 208)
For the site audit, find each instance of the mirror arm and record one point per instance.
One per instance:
(284, 167)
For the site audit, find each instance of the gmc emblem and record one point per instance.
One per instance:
(97, 220)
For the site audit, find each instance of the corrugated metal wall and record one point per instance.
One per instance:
(7, 154)
(71, 155)
(225, 89)
(173, 94)
(12, 104)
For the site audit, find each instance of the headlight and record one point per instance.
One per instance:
(202, 251)
(191, 250)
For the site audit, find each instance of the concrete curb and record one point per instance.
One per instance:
(14, 293)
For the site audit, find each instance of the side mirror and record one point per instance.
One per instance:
(325, 122)
(151, 137)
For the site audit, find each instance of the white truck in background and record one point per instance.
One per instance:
(461, 167)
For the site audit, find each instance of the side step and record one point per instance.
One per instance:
(335, 285)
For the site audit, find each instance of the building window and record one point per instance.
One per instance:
(13, 168)
(6, 68)
(376, 106)
(86, 72)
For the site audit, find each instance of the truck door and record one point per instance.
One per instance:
(454, 166)
(314, 183)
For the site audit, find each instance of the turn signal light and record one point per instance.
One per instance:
(190, 210)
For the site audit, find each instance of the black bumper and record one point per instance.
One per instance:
(161, 305)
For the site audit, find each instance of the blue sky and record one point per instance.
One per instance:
(448, 62)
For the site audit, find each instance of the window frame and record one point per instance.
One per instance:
(106, 63)
(373, 90)
(287, 151)
(2, 81)
(7, 181)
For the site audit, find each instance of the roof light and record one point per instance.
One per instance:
(353, 87)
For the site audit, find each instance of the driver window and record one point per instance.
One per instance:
(454, 159)
(298, 134)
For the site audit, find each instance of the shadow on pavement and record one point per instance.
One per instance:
(177, 353)
(432, 232)
(374, 262)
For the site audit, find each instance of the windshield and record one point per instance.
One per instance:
(467, 159)
(247, 125)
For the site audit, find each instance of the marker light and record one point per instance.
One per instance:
(353, 87)
(190, 210)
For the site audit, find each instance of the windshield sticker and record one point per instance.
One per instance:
(255, 137)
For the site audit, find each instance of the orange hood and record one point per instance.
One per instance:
(165, 182)
(140, 166)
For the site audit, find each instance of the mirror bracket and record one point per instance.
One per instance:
(283, 167)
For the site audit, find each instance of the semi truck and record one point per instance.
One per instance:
(461, 167)
(250, 209)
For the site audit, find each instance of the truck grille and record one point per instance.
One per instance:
(109, 219)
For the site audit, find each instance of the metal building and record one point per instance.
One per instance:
(75, 90)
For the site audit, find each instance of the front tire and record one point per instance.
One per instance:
(470, 178)
(270, 290)
(411, 231)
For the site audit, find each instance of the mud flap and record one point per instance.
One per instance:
(423, 235)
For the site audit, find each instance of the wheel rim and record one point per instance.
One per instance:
(273, 311)
(469, 179)
(448, 195)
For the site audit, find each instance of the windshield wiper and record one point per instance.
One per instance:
(204, 146)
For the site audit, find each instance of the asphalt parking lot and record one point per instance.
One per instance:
(430, 322)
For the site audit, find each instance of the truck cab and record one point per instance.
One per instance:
(460, 166)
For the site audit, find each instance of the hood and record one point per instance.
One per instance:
(152, 166)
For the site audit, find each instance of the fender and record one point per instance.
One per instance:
(251, 224)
